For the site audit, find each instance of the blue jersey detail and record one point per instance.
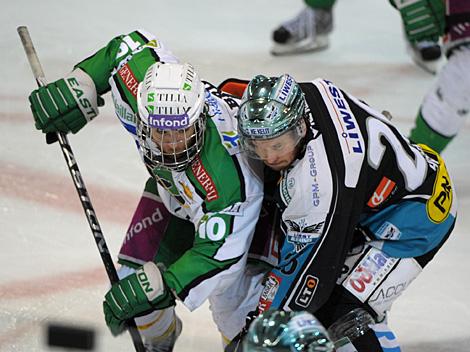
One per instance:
(391, 349)
(387, 339)
(233, 140)
(404, 230)
(288, 269)
(130, 128)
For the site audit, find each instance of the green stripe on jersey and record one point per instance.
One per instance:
(216, 174)
(132, 73)
(198, 263)
(165, 179)
(100, 65)
(181, 283)
(151, 186)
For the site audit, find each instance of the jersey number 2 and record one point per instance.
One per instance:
(412, 167)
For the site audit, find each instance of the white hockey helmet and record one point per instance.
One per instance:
(171, 121)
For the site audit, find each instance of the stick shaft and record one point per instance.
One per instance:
(32, 56)
(78, 182)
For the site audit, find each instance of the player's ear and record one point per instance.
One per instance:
(303, 128)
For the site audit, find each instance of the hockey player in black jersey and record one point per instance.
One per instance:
(363, 210)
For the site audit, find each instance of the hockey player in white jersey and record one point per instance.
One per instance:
(363, 209)
(190, 235)
(446, 106)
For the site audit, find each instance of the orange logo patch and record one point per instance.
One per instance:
(382, 192)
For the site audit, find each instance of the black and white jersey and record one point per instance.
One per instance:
(357, 170)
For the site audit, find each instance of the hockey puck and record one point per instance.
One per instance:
(68, 336)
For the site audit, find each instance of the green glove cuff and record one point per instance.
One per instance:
(151, 282)
(84, 93)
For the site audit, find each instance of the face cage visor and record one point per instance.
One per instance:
(173, 150)
(283, 144)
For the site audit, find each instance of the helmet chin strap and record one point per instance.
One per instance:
(303, 131)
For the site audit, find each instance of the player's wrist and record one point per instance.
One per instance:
(83, 91)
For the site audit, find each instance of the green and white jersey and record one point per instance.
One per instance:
(120, 66)
(222, 197)
(219, 193)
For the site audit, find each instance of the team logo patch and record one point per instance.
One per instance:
(381, 193)
(269, 292)
(284, 91)
(186, 190)
(153, 44)
(124, 113)
(290, 183)
(388, 293)
(284, 187)
(307, 291)
(213, 104)
(388, 231)
(205, 180)
(344, 119)
(169, 122)
(261, 131)
(315, 188)
(230, 139)
(129, 79)
(301, 234)
(165, 180)
(391, 288)
(369, 273)
(440, 203)
(438, 206)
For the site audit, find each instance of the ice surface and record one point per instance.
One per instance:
(50, 269)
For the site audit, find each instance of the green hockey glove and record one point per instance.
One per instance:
(115, 325)
(65, 105)
(135, 295)
(422, 19)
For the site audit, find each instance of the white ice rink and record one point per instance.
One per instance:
(50, 269)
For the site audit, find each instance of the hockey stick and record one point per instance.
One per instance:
(78, 182)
